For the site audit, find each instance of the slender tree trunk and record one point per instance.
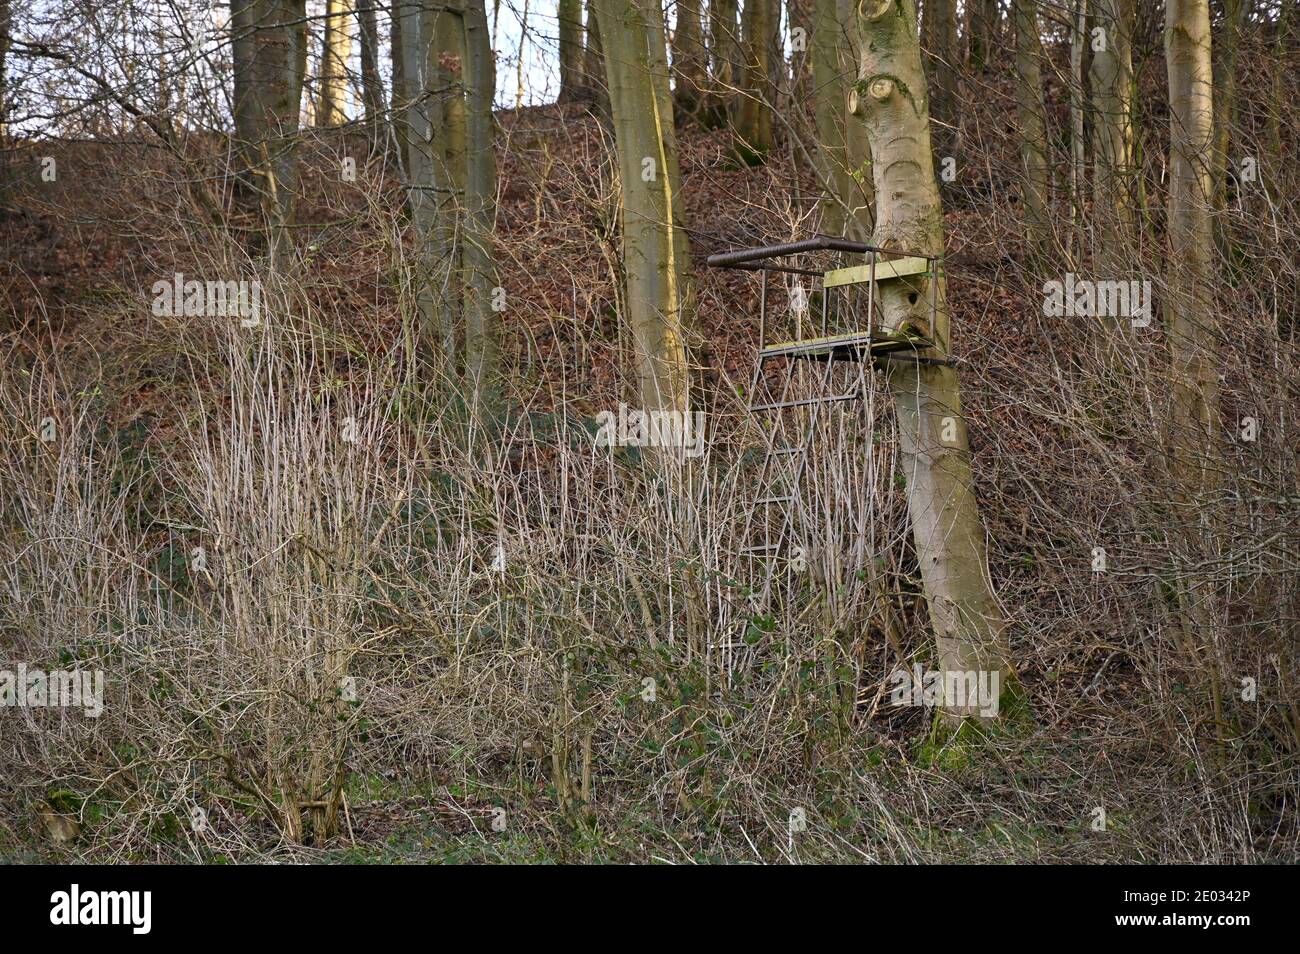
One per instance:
(569, 15)
(857, 143)
(519, 63)
(992, 29)
(336, 50)
(594, 64)
(977, 34)
(6, 38)
(947, 529)
(1273, 126)
(431, 186)
(243, 46)
(1114, 172)
(724, 57)
(1193, 420)
(1194, 417)
(267, 107)
(690, 64)
(778, 74)
(6, 27)
(1078, 37)
(846, 209)
(1032, 115)
(372, 86)
(801, 16)
(753, 125)
(400, 101)
(450, 153)
(941, 19)
(482, 360)
(1225, 95)
(655, 254)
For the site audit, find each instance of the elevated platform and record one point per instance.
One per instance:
(882, 271)
(847, 347)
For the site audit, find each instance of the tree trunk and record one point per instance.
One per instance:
(336, 50)
(724, 55)
(800, 16)
(1113, 183)
(594, 64)
(6, 38)
(689, 60)
(655, 254)
(1194, 418)
(451, 78)
(857, 143)
(1225, 93)
(1032, 116)
(941, 25)
(980, 18)
(846, 209)
(569, 15)
(6, 26)
(1273, 125)
(777, 73)
(753, 125)
(482, 361)
(372, 86)
(947, 529)
(400, 100)
(522, 57)
(244, 53)
(434, 140)
(1078, 37)
(269, 40)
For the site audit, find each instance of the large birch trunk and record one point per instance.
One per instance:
(948, 532)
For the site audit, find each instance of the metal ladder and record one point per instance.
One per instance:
(787, 441)
(785, 457)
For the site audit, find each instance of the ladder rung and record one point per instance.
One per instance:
(842, 347)
(762, 548)
(776, 451)
(852, 395)
(772, 500)
(860, 341)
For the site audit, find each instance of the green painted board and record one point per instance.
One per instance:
(885, 269)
